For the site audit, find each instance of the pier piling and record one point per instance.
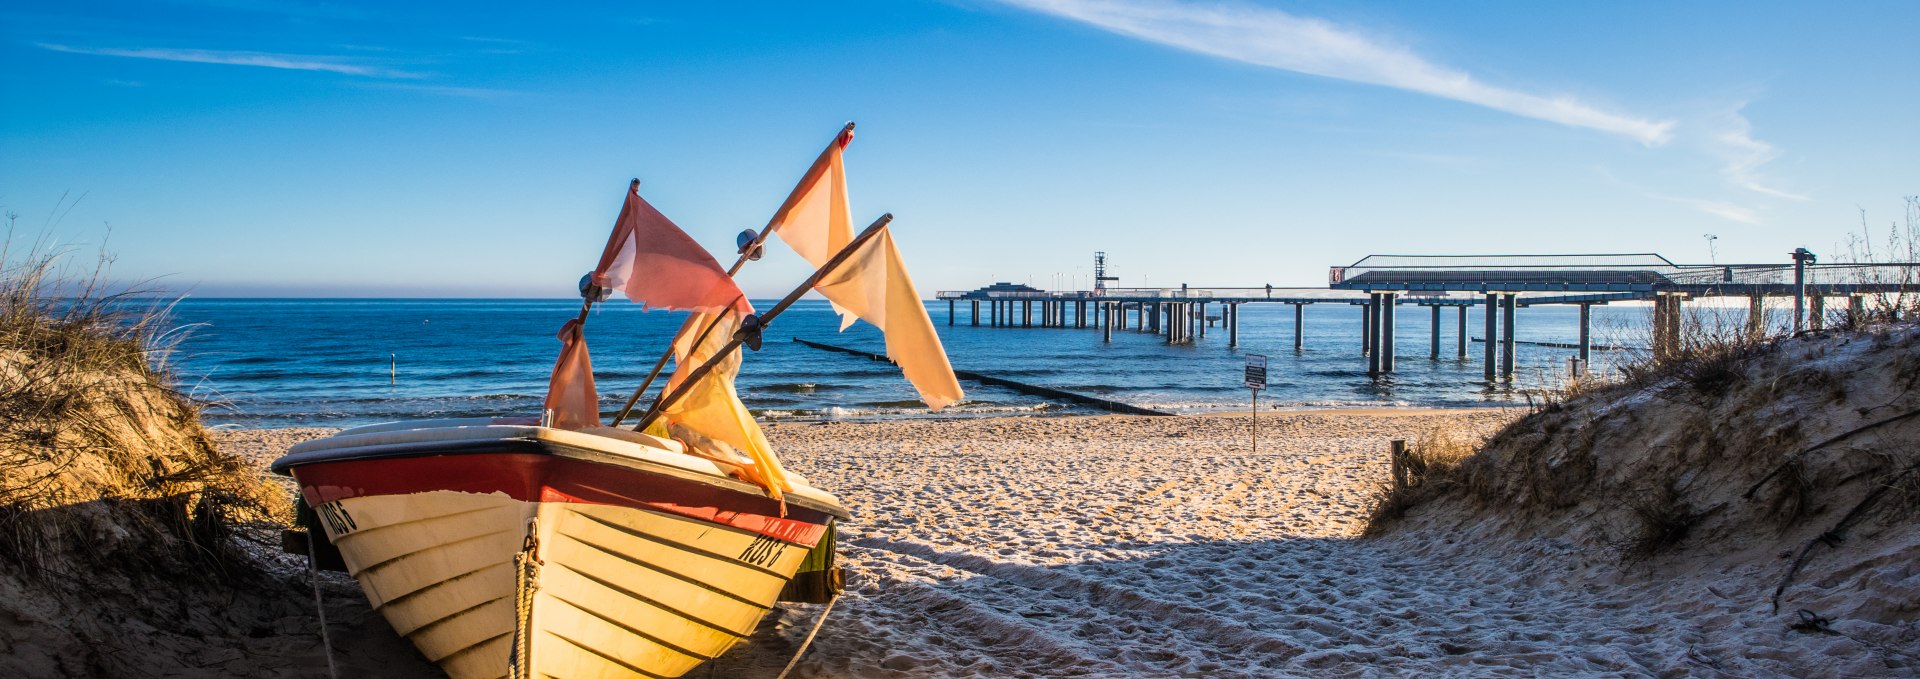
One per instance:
(1507, 345)
(1433, 351)
(1463, 332)
(1586, 336)
(1817, 312)
(1299, 322)
(1492, 333)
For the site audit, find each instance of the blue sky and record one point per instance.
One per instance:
(278, 147)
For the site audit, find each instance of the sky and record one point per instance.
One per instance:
(290, 148)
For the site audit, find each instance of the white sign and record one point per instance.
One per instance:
(1256, 371)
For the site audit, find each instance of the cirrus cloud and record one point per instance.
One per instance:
(1275, 39)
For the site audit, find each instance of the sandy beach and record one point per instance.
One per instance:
(1121, 546)
(1091, 546)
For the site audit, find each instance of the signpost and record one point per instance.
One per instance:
(1256, 380)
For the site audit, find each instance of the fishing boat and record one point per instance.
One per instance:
(589, 553)
(558, 546)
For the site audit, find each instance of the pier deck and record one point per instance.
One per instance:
(1501, 284)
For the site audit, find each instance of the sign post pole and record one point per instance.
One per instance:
(1256, 380)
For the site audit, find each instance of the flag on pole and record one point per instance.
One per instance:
(571, 396)
(817, 221)
(873, 285)
(653, 262)
(711, 406)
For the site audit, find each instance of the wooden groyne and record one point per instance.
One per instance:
(1022, 387)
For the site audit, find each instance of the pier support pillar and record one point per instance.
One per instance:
(1299, 324)
(1586, 337)
(1026, 313)
(1756, 317)
(1433, 350)
(1492, 335)
(1390, 302)
(1856, 310)
(974, 318)
(1463, 330)
(1366, 325)
(1232, 317)
(1106, 329)
(1817, 312)
(1370, 326)
(1507, 346)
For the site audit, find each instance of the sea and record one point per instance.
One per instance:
(344, 362)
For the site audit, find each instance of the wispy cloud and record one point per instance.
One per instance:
(1276, 39)
(293, 62)
(1723, 210)
(1742, 155)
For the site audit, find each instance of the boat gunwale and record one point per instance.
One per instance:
(538, 446)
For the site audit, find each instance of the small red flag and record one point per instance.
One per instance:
(656, 264)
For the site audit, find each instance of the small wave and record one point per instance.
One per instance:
(796, 387)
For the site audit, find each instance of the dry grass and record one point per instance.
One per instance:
(1430, 466)
(100, 459)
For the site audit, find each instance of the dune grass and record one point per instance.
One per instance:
(100, 457)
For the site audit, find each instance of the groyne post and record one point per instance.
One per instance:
(1233, 325)
(1507, 345)
(1397, 450)
(1106, 328)
(950, 304)
(1492, 333)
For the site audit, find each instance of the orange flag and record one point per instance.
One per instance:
(712, 407)
(656, 264)
(873, 284)
(816, 220)
(571, 395)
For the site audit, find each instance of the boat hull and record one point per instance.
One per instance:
(532, 564)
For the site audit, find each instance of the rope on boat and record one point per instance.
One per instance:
(527, 581)
(320, 606)
(817, 624)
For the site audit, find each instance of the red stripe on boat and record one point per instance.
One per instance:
(548, 478)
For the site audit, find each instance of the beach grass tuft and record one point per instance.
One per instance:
(101, 459)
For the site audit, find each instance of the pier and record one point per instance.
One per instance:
(1500, 285)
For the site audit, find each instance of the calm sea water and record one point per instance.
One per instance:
(295, 362)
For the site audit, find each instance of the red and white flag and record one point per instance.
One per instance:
(654, 263)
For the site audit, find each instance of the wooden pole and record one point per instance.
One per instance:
(667, 400)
